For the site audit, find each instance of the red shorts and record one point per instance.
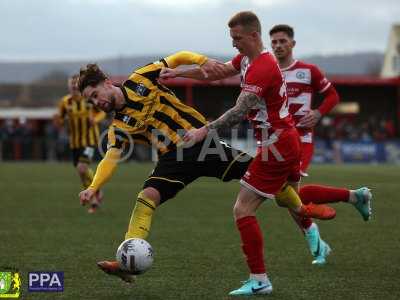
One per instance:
(274, 165)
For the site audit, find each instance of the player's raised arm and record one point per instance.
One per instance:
(155, 70)
(184, 58)
(207, 69)
(210, 70)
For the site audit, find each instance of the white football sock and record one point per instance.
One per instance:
(352, 197)
(259, 277)
(312, 226)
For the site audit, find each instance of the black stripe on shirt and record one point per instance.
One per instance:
(187, 116)
(162, 117)
(138, 88)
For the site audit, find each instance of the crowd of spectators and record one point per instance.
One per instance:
(356, 129)
(42, 140)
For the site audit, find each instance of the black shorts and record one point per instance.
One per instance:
(84, 155)
(176, 169)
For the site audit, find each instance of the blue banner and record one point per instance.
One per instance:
(356, 152)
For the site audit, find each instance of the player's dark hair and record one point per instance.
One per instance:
(91, 75)
(74, 77)
(282, 28)
(247, 19)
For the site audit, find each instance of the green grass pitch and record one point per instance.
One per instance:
(197, 252)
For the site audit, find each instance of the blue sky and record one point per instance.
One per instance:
(93, 29)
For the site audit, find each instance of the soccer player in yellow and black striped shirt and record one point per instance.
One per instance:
(82, 120)
(148, 112)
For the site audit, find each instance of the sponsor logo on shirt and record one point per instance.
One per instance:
(300, 75)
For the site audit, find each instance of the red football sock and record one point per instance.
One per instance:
(320, 194)
(252, 243)
(303, 222)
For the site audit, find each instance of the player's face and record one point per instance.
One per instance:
(73, 87)
(282, 45)
(242, 40)
(101, 96)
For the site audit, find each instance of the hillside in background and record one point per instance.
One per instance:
(14, 72)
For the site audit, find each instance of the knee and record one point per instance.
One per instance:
(241, 210)
(279, 202)
(151, 194)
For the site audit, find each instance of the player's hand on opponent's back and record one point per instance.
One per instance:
(195, 135)
(310, 119)
(86, 195)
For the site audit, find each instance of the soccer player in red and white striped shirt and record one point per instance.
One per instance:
(303, 81)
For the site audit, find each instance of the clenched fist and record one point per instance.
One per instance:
(86, 195)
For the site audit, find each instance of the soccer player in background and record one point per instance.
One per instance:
(148, 112)
(303, 81)
(82, 125)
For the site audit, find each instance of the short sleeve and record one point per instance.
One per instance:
(236, 61)
(257, 79)
(61, 108)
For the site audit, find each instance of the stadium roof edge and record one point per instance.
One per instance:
(28, 113)
(364, 80)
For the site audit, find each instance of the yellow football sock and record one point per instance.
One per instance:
(139, 225)
(87, 178)
(288, 197)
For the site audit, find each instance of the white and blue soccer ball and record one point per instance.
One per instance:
(135, 256)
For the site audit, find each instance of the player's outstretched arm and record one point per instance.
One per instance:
(244, 103)
(104, 171)
(184, 58)
(211, 70)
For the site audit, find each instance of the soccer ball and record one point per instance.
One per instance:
(135, 256)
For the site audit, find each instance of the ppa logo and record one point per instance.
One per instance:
(46, 281)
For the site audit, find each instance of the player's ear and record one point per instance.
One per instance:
(108, 82)
(255, 34)
(294, 43)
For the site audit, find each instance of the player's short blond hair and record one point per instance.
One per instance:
(247, 19)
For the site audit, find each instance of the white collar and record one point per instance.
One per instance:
(291, 65)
